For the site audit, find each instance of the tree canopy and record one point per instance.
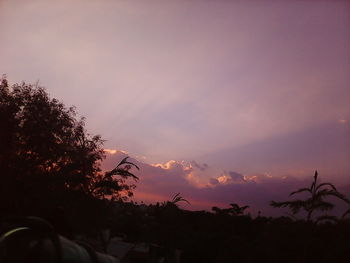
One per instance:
(47, 158)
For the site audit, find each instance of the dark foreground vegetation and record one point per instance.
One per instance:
(50, 168)
(220, 237)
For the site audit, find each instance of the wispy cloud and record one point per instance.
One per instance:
(181, 78)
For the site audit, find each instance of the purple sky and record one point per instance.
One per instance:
(259, 88)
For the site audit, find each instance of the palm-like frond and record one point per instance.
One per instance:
(123, 171)
(178, 198)
(327, 192)
(300, 191)
(326, 184)
(125, 161)
(113, 183)
(313, 185)
(322, 205)
(316, 200)
(295, 205)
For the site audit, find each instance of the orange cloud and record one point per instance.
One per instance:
(204, 186)
(114, 151)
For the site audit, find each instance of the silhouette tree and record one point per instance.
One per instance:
(237, 210)
(317, 192)
(234, 210)
(48, 161)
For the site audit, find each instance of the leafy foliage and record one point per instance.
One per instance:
(218, 237)
(49, 164)
(315, 201)
(107, 186)
(234, 210)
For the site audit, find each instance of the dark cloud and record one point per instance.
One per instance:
(236, 177)
(201, 167)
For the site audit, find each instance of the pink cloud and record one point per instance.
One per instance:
(160, 182)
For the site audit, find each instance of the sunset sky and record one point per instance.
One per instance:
(223, 101)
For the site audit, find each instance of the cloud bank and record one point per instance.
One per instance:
(205, 186)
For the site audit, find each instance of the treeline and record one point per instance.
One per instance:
(220, 236)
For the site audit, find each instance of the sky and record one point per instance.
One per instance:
(256, 93)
